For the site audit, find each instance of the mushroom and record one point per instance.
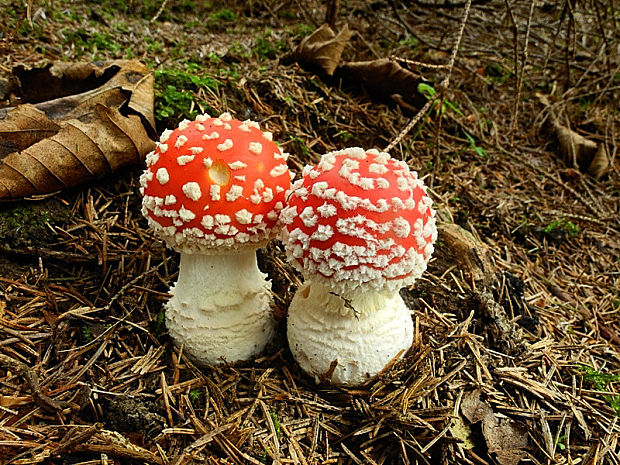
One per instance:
(359, 226)
(213, 189)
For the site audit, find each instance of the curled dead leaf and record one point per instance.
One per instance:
(24, 126)
(321, 50)
(54, 144)
(576, 150)
(505, 438)
(383, 79)
(473, 407)
(387, 80)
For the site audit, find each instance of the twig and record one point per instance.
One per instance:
(410, 125)
(599, 22)
(118, 450)
(524, 57)
(447, 4)
(443, 85)
(333, 6)
(114, 298)
(515, 33)
(572, 26)
(16, 334)
(71, 442)
(29, 5)
(33, 383)
(419, 64)
(542, 172)
(122, 290)
(159, 12)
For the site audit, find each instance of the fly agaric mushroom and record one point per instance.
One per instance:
(359, 226)
(213, 189)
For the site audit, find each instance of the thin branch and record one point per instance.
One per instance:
(443, 85)
(333, 7)
(30, 376)
(521, 72)
(159, 12)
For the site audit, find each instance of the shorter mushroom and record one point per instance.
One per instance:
(359, 226)
(213, 189)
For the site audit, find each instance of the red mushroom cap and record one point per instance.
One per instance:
(214, 183)
(359, 220)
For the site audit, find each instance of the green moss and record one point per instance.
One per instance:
(214, 58)
(344, 136)
(154, 46)
(601, 381)
(276, 424)
(83, 42)
(498, 73)
(105, 42)
(220, 19)
(86, 335)
(410, 41)
(223, 15)
(175, 90)
(195, 395)
(303, 30)
(301, 147)
(558, 229)
(267, 47)
(27, 224)
(186, 6)
(287, 14)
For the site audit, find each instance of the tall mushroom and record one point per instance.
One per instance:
(359, 226)
(213, 189)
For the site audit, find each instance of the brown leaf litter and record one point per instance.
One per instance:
(383, 78)
(322, 49)
(517, 313)
(505, 438)
(66, 140)
(576, 150)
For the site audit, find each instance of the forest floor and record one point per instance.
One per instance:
(516, 357)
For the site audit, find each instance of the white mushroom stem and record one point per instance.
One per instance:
(362, 332)
(219, 309)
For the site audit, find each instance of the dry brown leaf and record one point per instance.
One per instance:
(322, 49)
(72, 139)
(577, 151)
(473, 407)
(505, 438)
(69, 90)
(386, 80)
(24, 126)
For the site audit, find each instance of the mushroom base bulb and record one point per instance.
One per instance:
(220, 308)
(363, 335)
